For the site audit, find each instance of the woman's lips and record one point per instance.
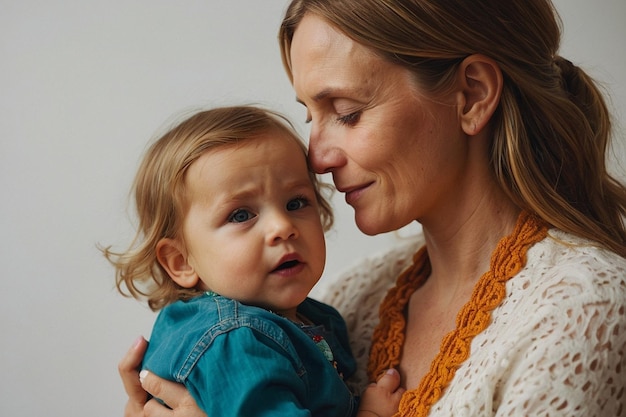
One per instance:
(353, 194)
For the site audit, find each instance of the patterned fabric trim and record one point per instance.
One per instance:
(507, 260)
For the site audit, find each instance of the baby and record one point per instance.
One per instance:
(230, 243)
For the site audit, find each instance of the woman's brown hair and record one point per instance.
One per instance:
(552, 129)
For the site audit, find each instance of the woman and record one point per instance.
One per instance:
(462, 116)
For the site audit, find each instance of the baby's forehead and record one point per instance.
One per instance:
(279, 140)
(220, 181)
(282, 135)
(267, 152)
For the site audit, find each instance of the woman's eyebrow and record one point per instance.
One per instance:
(319, 96)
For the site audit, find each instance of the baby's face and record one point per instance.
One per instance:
(253, 231)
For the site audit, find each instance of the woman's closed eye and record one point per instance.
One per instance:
(349, 119)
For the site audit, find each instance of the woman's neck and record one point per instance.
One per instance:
(460, 248)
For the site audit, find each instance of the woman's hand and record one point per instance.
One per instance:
(129, 371)
(173, 394)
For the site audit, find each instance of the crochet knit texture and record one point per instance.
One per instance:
(555, 346)
(508, 258)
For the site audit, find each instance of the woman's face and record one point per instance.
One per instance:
(396, 154)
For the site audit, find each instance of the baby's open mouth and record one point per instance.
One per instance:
(287, 265)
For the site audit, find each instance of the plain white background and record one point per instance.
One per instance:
(84, 85)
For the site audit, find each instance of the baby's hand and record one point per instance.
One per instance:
(381, 399)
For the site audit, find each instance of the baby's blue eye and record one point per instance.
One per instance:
(240, 216)
(297, 203)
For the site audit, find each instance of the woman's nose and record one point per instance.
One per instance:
(325, 153)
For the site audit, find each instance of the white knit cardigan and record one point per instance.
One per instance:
(556, 345)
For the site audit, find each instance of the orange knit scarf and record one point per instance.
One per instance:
(507, 260)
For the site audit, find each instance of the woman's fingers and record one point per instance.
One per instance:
(153, 408)
(171, 393)
(129, 371)
(137, 385)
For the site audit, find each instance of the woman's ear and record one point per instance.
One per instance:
(481, 87)
(171, 256)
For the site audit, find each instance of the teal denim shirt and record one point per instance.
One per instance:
(239, 360)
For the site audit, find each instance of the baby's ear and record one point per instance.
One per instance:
(171, 256)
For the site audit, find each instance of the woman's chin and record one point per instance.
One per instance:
(371, 227)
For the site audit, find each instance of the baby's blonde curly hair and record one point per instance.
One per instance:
(159, 190)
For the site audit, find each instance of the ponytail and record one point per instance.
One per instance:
(549, 153)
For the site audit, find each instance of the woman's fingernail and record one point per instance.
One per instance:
(142, 375)
(391, 371)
